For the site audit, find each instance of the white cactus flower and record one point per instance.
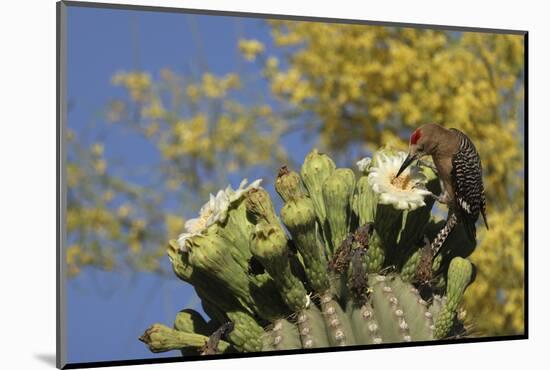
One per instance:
(405, 192)
(215, 210)
(364, 164)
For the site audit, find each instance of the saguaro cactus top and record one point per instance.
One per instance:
(344, 272)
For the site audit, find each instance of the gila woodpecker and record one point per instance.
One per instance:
(460, 173)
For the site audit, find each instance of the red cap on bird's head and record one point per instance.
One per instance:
(415, 136)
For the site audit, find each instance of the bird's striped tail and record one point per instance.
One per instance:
(443, 234)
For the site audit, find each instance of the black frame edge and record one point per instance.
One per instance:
(289, 352)
(291, 17)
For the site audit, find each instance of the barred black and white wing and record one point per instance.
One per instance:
(467, 177)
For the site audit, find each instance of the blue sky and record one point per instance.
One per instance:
(108, 311)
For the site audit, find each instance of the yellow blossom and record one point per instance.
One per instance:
(251, 48)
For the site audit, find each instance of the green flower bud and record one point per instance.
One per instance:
(289, 184)
(349, 177)
(160, 338)
(270, 242)
(316, 168)
(260, 207)
(270, 247)
(408, 271)
(458, 278)
(299, 217)
(366, 201)
(337, 193)
(191, 321)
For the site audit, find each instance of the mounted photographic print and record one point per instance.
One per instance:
(237, 184)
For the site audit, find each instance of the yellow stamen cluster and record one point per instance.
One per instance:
(402, 182)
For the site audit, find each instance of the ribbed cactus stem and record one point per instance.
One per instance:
(160, 338)
(415, 310)
(316, 168)
(338, 325)
(458, 278)
(299, 217)
(365, 325)
(289, 185)
(338, 190)
(312, 328)
(270, 247)
(389, 311)
(284, 335)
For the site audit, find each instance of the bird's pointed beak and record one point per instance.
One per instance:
(410, 158)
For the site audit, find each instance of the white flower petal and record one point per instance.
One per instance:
(181, 241)
(255, 184)
(364, 163)
(192, 225)
(215, 210)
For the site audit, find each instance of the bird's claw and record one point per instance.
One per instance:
(442, 198)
